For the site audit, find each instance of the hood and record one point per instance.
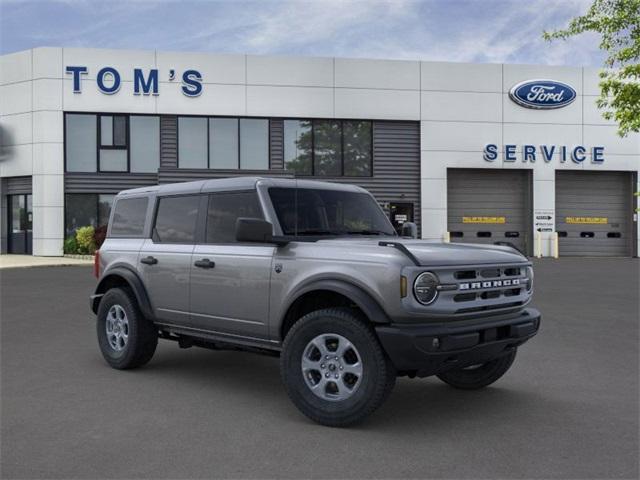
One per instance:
(432, 253)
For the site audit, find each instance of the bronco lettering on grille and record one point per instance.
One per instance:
(489, 284)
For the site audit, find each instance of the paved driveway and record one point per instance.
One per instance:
(568, 408)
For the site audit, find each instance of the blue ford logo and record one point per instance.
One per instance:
(542, 94)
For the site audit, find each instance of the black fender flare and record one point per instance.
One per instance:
(365, 302)
(134, 282)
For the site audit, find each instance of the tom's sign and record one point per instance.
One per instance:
(542, 94)
(108, 80)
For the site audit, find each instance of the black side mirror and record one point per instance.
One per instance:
(256, 230)
(409, 229)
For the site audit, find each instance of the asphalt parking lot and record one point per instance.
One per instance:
(567, 409)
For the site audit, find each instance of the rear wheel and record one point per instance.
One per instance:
(479, 376)
(126, 338)
(334, 368)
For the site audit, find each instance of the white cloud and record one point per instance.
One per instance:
(445, 30)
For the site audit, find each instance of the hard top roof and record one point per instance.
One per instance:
(236, 183)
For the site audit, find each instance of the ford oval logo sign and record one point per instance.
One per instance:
(542, 94)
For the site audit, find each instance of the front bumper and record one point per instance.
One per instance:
(428, 349)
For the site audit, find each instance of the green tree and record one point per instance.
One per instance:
(618, 23)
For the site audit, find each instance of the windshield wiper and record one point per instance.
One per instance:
(367, 232)
(319, 232)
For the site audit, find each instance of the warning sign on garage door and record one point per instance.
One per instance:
(544, 220)
(587, 220)
(494, 220)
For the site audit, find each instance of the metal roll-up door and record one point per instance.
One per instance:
(489, 206)
(594, 213)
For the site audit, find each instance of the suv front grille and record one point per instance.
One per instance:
(483, 288)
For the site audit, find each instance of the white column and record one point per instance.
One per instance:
(544, 199)
(48, 184)
(433, 196)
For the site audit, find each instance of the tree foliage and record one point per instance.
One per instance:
(618, 24)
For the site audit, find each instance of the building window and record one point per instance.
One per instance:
(112, 143)
(80, 142)
(176, 219)
(192, 142)
(145, 143)
(297, 146)
(254, 144)
(86, 209)
(329, 148)
(357, 146)
(223, 143)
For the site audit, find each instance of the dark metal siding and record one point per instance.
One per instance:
(595, 194)
(396, 165)
(106, 182)
(168, 141)
(276, 144)
(490, 193)
(18, 185)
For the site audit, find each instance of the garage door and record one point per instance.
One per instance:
(489, 206)
(593, 213)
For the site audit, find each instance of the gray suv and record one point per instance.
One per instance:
(313, 272)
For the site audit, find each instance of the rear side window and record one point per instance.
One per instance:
(176, 219)
(224, 209)
(129, 216)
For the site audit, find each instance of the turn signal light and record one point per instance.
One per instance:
(403, 286)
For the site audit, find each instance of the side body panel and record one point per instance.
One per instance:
(167, 281)
(375, 271)
(233, 296)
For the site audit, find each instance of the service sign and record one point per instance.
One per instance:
(542, 94)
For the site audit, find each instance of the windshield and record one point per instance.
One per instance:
(314, 212)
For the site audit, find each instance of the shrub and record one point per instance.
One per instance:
(84, 238)
(99, 235)
(70, 245)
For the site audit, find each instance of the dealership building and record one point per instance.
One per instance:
(479, 153)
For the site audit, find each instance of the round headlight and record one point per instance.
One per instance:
(529, 273)
(425, 288)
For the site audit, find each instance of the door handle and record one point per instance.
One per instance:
(204, 263)
(149, 260)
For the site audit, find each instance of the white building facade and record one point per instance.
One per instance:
(457, 148)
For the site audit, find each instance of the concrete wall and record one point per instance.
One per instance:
(32, 141)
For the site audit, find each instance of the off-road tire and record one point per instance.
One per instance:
(142, 334)
(378, 376)
(480, 377)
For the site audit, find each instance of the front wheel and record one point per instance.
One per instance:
(479, 376)
(334, 369)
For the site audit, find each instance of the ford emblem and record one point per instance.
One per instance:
(542, 94)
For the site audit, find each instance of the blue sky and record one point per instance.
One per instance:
(445, 30)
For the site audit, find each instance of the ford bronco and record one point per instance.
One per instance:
(313, 272)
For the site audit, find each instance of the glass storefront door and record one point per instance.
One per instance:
(20, 222)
